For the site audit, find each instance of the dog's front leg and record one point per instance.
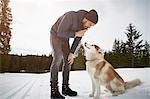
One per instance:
(98, 89)
(93, 89)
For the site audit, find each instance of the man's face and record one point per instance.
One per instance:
(87, 24)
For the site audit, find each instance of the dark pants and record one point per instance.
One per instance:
(61, 50)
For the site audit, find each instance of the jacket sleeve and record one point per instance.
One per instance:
(64, 27)
(75, 44)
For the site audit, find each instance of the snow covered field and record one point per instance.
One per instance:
(36, 86)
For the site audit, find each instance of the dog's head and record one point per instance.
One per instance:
(92, 51)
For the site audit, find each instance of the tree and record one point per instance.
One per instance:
(119, 47)
(118, 57)
(145, 59)
(146, 50)
(116, 46)
(133, 46)
(79, 63)
(5, 29)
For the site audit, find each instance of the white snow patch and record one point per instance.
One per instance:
(36, 86)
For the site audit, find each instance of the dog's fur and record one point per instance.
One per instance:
(102, 73)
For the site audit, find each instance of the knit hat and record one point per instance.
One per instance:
(92, 16)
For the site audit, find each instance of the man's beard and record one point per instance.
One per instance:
(85, 27)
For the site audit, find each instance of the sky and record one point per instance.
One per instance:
(33, 19)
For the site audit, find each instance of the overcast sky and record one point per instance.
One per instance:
(32, 21)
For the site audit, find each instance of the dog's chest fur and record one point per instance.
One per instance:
(91, 68)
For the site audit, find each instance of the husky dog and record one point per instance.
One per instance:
(102, 73)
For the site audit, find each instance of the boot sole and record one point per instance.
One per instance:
(69, 95)
(57, 98)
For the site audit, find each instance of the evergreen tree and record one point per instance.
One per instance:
(146, 50)
(133, 46)
(119, 47)
(145, 59)
(79, 63)
(116, 46)
(123, 47)
(5, 30)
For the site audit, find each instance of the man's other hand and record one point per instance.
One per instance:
(70, 59)
(80, 33)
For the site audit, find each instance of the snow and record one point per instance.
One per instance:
(36, 86)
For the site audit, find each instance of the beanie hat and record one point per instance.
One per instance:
(92, 16)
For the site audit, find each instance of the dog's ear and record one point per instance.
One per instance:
(81, 46)
(81, 49)
(98, 49)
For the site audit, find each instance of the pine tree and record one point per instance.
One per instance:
(5, 29)
(132, 44)
(123, 47)
(145, 59)
(146, 50)
(119, 47)
(118, 57)
(116, 46)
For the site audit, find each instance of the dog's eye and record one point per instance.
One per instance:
(99, 52)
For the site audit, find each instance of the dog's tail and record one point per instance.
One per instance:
(132, 83)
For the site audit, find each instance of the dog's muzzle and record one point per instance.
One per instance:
(86, 45)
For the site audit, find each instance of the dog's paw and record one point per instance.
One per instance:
(91, 95)
(96, 97)
(115, 94)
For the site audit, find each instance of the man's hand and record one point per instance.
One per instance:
(70, 59)
(80, 33)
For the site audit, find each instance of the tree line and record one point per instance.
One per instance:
(34, 63)
(28, 63)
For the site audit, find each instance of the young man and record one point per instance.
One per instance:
(70, 25)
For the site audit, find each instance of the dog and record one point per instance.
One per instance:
(102, 73)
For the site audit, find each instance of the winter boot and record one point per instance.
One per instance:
(55, 94)
(67, 91)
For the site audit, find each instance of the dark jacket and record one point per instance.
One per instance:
(66, 26)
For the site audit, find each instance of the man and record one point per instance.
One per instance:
(70, 25)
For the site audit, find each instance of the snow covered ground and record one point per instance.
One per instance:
(36, 86)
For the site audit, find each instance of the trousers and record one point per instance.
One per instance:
(61, 50)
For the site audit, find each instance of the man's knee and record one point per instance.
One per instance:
(56, 62)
